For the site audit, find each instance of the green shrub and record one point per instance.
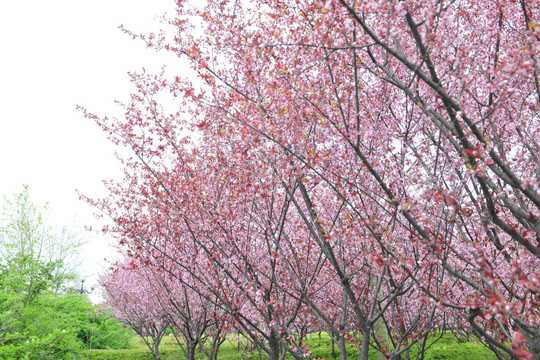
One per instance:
(95, 329)
(103, 332)
(57, 345)
(56, 326)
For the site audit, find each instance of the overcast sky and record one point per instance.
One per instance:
(54, 55)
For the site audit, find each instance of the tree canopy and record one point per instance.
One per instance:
(368, 168)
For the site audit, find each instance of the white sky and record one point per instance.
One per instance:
(54, 55)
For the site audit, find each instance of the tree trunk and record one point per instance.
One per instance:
(191, 346)
(273, 346)
(363, 354)
(342, 347)
(155, 351)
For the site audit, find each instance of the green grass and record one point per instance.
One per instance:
(446, 348)
(449, 348)
(169, 350)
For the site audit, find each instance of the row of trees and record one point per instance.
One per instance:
(366, 168)
(155, 305)
(41, 316)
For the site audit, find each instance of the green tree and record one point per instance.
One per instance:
(35, 257)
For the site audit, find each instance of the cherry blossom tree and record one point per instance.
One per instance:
(386, 152)
(132, 298)
(196, 322)
(240, 276)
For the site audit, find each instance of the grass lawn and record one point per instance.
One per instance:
(446, 348)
